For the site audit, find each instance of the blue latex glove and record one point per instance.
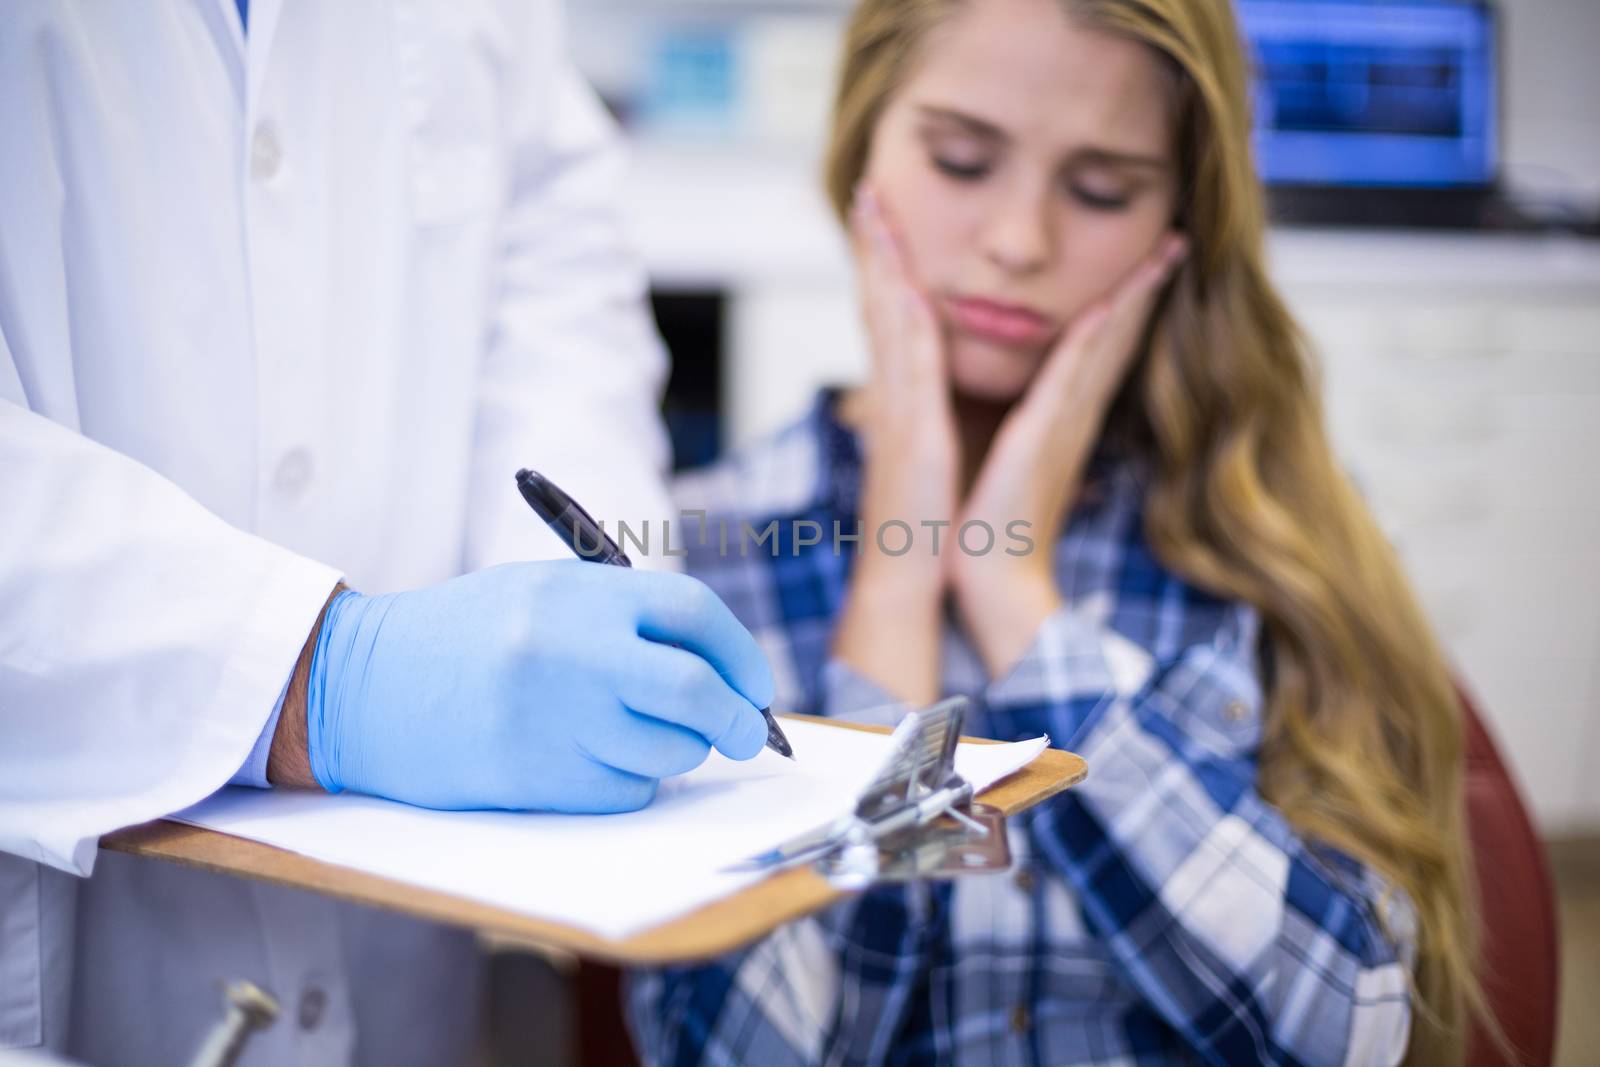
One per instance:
(532, 686)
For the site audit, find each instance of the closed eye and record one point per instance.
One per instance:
(965, 172)
(1098, 202)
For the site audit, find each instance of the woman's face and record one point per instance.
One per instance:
(1026, 166)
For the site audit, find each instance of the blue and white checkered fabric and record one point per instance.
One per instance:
(1160, 912)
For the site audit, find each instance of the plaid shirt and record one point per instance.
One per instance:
(1160, 912)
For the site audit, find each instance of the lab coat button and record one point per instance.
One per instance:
(313, 1002)
(266, 154)
(294, 472)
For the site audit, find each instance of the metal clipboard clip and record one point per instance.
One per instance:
(916, 819)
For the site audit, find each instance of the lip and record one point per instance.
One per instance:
(1010, 324)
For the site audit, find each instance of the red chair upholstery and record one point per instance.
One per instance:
(1520, 953)
(602, 1034)
(1519, 969)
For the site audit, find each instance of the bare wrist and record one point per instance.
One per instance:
(1003, 613)
(889, 632)
(289, 759)
(898, 583)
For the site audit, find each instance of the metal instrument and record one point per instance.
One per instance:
(916, 819)
(248, 1009)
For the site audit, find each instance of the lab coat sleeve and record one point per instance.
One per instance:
(572, 378)
(143, 641)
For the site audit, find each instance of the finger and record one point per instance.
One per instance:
(925, 354)
(874, 243)
(676, 609)
(1116, 342)
(875, 294)
(911, 313)
(1064, 368)
(594, 789)
(888, 254)
(1139, 290)
(861, 237)
(881, 235)
(1110, 327)
(1133, 296)
(882, 290)
(673, 685)
(643, 746)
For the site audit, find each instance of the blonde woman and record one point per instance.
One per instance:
(1093, 416)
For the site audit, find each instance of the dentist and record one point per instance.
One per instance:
(288, 291)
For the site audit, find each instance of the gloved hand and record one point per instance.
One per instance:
(548, 686)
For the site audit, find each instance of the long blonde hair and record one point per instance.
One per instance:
(1362, 746)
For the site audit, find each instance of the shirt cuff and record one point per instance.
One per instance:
(253, 772)
(850, 696)
(1067, 658)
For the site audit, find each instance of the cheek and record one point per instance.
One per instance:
(1102, 250)
(934, 223)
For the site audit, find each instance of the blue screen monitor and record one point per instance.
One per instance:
(1374, 92)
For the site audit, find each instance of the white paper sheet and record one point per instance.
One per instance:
(614, 875)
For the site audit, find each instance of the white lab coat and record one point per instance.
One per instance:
(273, 308)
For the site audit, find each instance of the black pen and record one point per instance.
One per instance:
(584, 536)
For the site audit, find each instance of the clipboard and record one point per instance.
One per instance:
(716, 928)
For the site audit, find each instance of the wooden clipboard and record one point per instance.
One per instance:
(711, 930)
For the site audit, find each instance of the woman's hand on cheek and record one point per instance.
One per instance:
(889, 629)
(912, 455)
(1032, 469)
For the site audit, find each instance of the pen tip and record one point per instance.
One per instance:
(775, 739)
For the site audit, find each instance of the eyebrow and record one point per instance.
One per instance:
(1092, 154)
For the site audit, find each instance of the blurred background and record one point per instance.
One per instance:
(1434, 168)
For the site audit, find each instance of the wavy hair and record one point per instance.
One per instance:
(1362, 741)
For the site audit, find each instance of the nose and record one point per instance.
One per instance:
(1017, 236)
